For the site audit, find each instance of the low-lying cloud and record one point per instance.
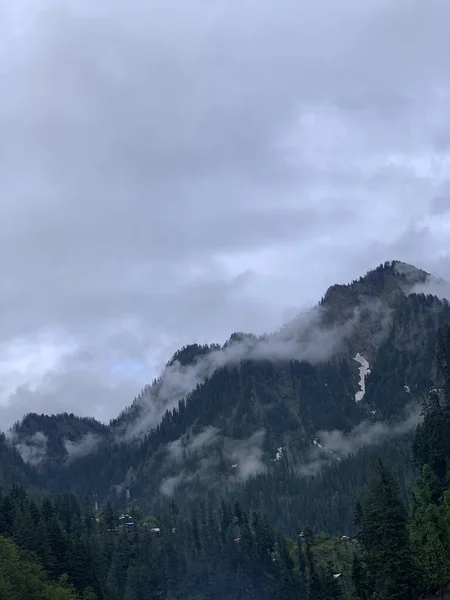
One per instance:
(434, 286)
(246, 460)
(306, 338)
(245, 457)
(334, 445)
(83, 447)
(33, 450)
(181, 448)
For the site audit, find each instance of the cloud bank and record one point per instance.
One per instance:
(245, 458)
(83, 447)
(335, 445)
(34, 449)
(171, 171)
(306, 338)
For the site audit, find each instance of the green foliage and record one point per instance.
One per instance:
(22, 577)
(389, 569)
(430, 520)
(226, 554)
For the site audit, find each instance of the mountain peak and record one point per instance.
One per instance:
(191, 353)
(389, 281)
(410, 273)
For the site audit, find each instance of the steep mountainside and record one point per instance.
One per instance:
(259, 415)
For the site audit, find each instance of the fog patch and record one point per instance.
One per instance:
(247, 455)
(34, 450)
(307, 338)
(435, 287)
(181, 448)
(334, 445)
(244, 456)
(83, 447)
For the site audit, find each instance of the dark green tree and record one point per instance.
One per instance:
(384, 538)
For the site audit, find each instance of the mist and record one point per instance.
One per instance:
(435, 287)
(34, 450)
(306, 338)
(87, 444)
(245, 457)
(330, 446)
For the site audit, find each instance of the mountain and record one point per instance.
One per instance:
(285, 420)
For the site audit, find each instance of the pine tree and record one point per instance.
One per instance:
(430, 521)
(331, 585)
(359, 579)
(302, 574)
(383, 534)
(314, 583)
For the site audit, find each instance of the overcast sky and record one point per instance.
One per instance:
(172, 171)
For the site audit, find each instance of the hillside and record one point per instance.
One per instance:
(263, 415)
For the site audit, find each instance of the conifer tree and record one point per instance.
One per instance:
(314, 583)
(359, 579)
(383, 534)
(331, 584)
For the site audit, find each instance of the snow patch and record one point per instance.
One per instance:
(325, 449)
(364, 370)
(279, 453)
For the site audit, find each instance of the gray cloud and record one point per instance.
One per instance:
(34, 449)
(170, 484)
(245, 457)
(441, 290)
(441, 205)
(334, 445)
(174, 171)
(87, 444)
(305, 338)
(181, 447)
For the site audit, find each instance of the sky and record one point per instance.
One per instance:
(172, 171)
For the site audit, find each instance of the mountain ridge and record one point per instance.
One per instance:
(256, 398)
